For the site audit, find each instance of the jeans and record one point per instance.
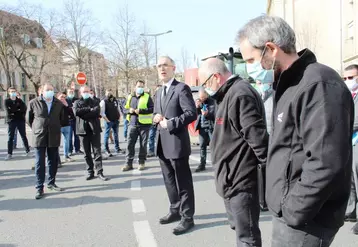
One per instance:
(114, 126)
(12, 126)
(15, 138)
(204, 139)
(311, 235)
(40, 167)
(134, 132)
(243, 212)
(125, 127)
(77, 140)
(152, 135)
(352, 206)
(66, 132)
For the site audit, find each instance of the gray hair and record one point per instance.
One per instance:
(266, 28)
(212, 66)
(169, 58)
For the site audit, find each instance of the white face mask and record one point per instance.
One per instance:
(351, 84)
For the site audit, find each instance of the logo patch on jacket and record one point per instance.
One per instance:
(219, 120)
(279, 117)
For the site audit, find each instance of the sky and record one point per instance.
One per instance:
(202, 27)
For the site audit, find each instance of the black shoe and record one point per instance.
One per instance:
(200, 168)
(90, 177)
(39, 194)
(355, 229)
(184, 226)
(102, 177)
(54, 187)
(232, 227)
(169, 218)
(121, 151)
(79, 152)
(109, 154)
(350, 219)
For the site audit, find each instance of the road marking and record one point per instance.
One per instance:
(144, 234)
(135, 185)
(138, 206)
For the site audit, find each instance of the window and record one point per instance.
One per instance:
(26, 39)
(350, 30)
(38, 43)
(23, 81)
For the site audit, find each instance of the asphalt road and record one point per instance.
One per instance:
(122, 212)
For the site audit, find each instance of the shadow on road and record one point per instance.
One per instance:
(55, 203)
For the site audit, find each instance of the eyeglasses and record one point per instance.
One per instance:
(207, 81)
(164, 66)
(348, 78)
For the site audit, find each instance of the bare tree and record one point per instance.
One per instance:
(28, 45)
(79, 34)
(123, 44)
(185, 59)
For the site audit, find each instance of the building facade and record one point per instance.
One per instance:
(28, 57)
(327, 27)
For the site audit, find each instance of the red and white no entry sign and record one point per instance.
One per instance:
(81, 78)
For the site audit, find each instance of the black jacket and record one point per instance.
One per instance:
(310, 156)
(87, 114)
(15, 110)
(209, 117)
(70, 102)
(239, 142)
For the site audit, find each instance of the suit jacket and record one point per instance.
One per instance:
(46, 127)
(178, 107)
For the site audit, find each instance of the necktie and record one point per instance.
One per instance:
(165, 91)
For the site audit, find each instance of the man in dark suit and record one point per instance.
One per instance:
(174, 109)
(46, 115)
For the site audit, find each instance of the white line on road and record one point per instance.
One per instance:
(144, 234)
(135, 185)
(138, 206)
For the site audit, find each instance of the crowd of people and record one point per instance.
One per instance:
(306, 156)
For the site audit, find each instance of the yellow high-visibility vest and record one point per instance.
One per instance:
(142, 104)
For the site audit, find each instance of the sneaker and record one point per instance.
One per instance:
(355, 229)
(68, 159)
(150, 154)
(39, 194)
(79, 152)
(141, 167)
(8, 157)
(200, 168)
(127, 168)
(29, 154)
(109, 154)
(54, 187)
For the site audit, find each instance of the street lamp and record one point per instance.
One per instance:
(155, 35)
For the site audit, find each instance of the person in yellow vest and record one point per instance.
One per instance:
(140, 114)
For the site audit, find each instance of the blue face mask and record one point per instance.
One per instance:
(13, 95)
(48, 94)
(140, 90)
(70, 96)
(85, 95)
(257, 72)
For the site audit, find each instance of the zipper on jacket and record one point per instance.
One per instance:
(287, 181)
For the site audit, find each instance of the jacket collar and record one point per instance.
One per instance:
(294, 74)
(220, 94)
